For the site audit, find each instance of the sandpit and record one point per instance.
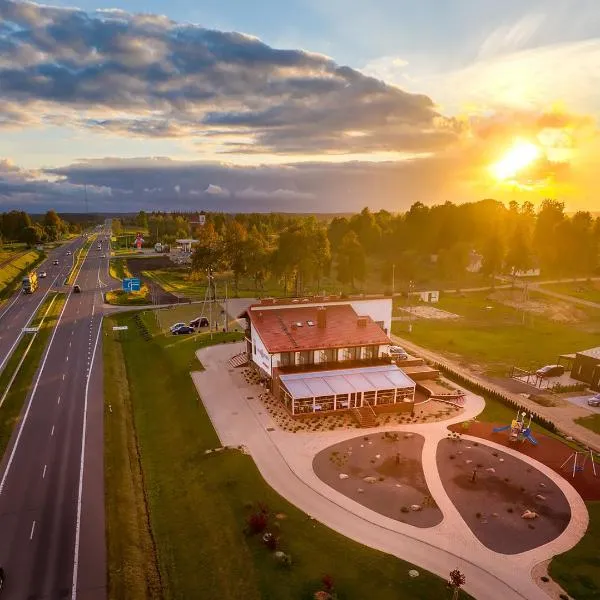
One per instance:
(383, 472)
(504, 489)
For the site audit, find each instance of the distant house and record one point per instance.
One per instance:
(586, 367)
(327, 354)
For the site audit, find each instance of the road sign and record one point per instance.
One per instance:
(131, 284)
(120, 328)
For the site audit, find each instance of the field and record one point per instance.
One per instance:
(578, 570)
(592, 422)
(199, 503)
(118, 270)
(491, 337)
(13, 264)
(584, 290)
(31, 355)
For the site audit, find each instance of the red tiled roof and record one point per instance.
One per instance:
(276, 328)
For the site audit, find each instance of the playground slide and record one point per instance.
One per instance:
(529, 437)
(504, 428)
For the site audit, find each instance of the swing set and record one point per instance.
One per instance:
(579, 458)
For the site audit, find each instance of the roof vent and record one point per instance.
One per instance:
(310, 323)
(299, 324)
(294, 326)
(362, 321)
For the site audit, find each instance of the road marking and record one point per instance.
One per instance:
(52, 432)
(70, 344)
(32, 530)
(63, 376)
(58, 401)
(44, 473)
(81, 464)
(67, 357)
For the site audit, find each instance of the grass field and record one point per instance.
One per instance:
(11, 408)
(578, 570)
(198, 503)
(118, 269)
(584, 290)
(592, 422)
(492, 336)
(12, 271)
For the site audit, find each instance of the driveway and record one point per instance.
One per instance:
(285, 461)
(583, 402)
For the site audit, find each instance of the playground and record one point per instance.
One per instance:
(382, 471)
(510, 506)
(550, 451)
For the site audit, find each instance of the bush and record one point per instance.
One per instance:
(257, 522)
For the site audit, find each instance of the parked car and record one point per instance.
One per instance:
(76, 289)
(176, 326)
(42, 274)
(550, 371)
(184, 329)
(398, 353)
(1, 578)
(594, 400)
(199, 322)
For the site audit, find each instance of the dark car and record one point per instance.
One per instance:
(76, 289)
(1, 579)
(199, 322)
(183, 330)
(55, 262)
(550, 371)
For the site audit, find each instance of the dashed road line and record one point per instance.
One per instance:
(44, 473)
(52, 432)
(32, 530)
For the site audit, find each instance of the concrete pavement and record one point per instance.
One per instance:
(51, 476)
(285, 461)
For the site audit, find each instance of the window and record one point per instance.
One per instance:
(351, 353)
(371, 352)
(286, 359)
(307, 357)
(328, 355)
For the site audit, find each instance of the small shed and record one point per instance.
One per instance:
(586, 367)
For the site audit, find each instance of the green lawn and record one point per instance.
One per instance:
(10, 410)
(79, 258)
(11, 272)
(584, 290)
(592, 422)
(118, 269)
(199, 503)
(578, 570)
(494, 337)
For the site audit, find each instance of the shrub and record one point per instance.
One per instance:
(257, 522)
(327, 581)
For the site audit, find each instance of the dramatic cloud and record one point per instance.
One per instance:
(148, 76)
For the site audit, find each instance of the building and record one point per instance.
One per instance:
(327, 354)
(186, 244)
(586, 367)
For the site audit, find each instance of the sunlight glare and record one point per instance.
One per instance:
(519, 156)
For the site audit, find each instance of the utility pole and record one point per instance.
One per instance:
(226, 314)
(409, 308)
(393, 279)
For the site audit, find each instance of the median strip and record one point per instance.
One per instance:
(18, 374)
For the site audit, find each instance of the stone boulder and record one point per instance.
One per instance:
(370, 479)
(529, 514)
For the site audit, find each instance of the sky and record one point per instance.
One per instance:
(299, 106)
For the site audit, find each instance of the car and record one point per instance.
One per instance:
(594, 401)
(76, 289)
(55, 262)
(199, 322)
(2, 577)
(550, 371)
(68, 253)
(42, 274)
(176, 326)
(184, 329)
(398, 353)
(103, 256)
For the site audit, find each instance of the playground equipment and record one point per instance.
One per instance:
(519, 432)
(578, 466)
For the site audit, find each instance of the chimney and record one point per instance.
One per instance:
(294, 326)
(362, 321)
(321, 317)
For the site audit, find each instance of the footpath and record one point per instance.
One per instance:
(561, 417)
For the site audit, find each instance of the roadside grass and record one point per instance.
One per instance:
(584, 290)
(177, 313)
(11, 272)
(578, 570)
(118, 269)
(494, 339)
(81, 254)
(592, 422)
(10, 410)
(199, 503)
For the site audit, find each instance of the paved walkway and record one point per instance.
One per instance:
(285, 461)
(561, 416)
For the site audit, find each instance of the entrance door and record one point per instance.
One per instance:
(355, 400)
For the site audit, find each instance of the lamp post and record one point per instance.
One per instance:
(411, 286)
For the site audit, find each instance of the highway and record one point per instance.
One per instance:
(52, 532)
(19, 310)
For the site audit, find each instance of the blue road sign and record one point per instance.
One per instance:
(131, 284)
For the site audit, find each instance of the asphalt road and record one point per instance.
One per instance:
(19, 310)
(52, 531)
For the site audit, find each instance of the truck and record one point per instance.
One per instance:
(30, 283)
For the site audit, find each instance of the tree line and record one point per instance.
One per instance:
(19, 226)
(440, 242)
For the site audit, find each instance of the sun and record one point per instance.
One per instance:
(520, 155)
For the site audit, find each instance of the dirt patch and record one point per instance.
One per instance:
(492, 491)
(383, 472)
(549, 451)
(556, 310)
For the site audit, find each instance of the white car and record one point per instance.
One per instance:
(176, 326)
(103, 256)
(398, 353)
(594, 400)
(42, 274)
(68, 253)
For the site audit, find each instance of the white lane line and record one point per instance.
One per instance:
(67, 357)
(32, 530)
(11, 304)
(52, 432)
(81, 464)
(70, 344)
(63, 376)
(44, 473)
(58, 401)
(31, 397)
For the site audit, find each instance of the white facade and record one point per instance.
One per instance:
(260, 355)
